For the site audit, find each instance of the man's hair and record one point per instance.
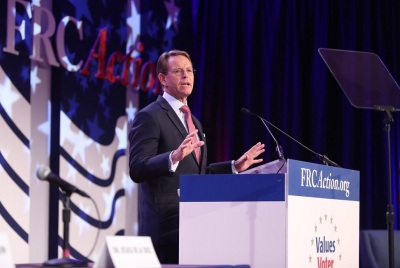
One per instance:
(162, 63)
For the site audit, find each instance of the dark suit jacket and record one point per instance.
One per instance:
(155, 132)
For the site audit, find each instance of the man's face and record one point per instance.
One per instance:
(178, 82)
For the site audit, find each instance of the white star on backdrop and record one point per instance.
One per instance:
(133, 24)
(122, 136)
(35, 80)
(105, 165)
(71, 173)
(173, 13)
(8, 95)
(130, 112)
(81, 142)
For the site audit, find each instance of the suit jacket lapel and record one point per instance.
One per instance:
(172, 116)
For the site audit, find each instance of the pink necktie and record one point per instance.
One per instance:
(188, 116)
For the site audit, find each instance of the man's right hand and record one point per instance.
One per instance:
(186, 147)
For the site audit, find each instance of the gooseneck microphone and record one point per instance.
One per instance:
(279, 149)
(45, 174)
(322, 157)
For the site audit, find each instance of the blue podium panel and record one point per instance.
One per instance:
(221, 188)
(233, 219)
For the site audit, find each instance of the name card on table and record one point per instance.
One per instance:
(128, 252)
(5, 252)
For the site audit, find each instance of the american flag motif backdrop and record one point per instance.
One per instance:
(72, 74)
(93, 118)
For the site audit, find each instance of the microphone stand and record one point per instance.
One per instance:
(279, 149)
(390, 213)
(322, 157)
(66, 261)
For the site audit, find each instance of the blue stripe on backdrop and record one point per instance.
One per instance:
(13, 224)
(14, 127)
(97, 223)
(13, 175)
(96, 180)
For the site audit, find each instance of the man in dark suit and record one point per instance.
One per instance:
(162, 148)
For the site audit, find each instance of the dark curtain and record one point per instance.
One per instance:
(263, 55)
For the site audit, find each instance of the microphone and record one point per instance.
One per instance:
(279, 149)
(322, 157)
(45, 174)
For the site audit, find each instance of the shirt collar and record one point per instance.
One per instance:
(175, 104)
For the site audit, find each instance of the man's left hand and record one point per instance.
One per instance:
(249, 158)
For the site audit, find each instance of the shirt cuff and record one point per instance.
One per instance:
(234, 171)
(172, 167)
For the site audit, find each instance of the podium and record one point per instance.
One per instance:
(305, 217)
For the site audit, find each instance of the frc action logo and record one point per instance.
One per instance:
(325, 243)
